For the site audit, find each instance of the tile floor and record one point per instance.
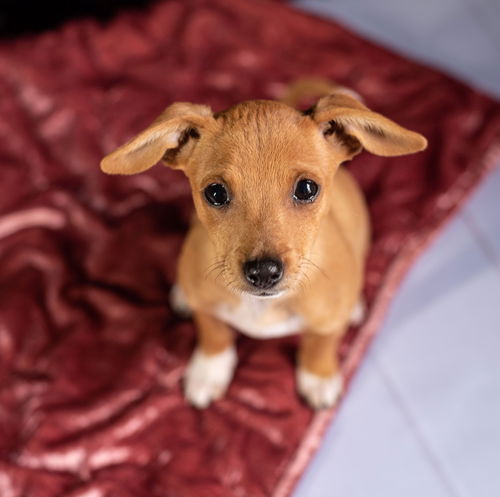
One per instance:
(422, 418)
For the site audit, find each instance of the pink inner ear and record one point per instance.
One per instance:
(169, 139)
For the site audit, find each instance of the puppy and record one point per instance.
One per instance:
(281, 231)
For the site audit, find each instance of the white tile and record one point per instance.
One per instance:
(371, 450)
(482, 215)
(451, 261)
(444, 363)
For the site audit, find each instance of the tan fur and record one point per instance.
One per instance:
(316, 352)
(213, 335)
(259, 149)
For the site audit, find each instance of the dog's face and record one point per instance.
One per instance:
(261, 173)
(260, 178)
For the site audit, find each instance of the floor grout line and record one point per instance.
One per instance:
(433, 458)
(486, 247)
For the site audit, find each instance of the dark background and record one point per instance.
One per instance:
(22, 17)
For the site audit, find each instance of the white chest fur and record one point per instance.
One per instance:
(260, 318)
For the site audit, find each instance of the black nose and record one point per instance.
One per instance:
(263, 273)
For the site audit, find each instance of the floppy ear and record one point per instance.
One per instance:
(344, 119)
(169, 138)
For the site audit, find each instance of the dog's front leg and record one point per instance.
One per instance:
(318, 375)
(212, 364)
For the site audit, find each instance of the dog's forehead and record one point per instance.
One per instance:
(251, 110)
(260, 131)
(260, 119)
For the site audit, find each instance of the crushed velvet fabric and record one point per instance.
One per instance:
(91, 356)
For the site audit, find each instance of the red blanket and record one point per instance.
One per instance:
(90, 354)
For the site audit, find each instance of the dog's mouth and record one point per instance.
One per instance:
(269, 294)
(260, 293)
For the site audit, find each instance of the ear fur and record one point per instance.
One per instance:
(163, 139)
(355, 127)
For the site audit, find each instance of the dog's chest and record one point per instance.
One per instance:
(260, 318)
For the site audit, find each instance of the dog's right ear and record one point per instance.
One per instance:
(169, 138)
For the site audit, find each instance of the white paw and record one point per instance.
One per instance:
(319, 392)
(358, 313)
(178, 302)
(207, 377)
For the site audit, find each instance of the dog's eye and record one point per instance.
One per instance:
(217, 195)
(306, 190)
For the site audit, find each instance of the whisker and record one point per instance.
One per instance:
(313, 264)
(219, 274)
(215, 268)
(217, 265)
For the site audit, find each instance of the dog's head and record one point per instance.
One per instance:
(261, 173)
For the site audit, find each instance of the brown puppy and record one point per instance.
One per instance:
(281, 232)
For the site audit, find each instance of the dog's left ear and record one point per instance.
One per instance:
(169, 138)
(343, 119)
